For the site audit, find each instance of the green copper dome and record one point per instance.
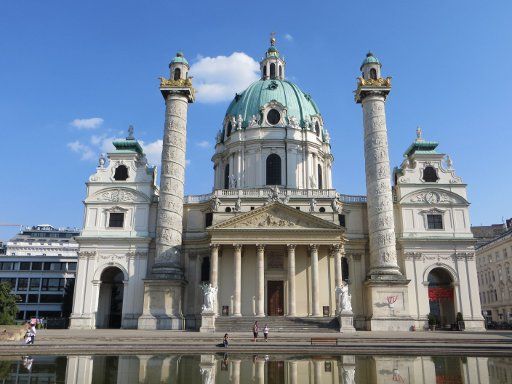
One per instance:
(261, 92)
(179, 59)
(370, 59)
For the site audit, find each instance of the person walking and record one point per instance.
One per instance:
(30, 336)
(265, 332)
(255, 329)
(225, 341)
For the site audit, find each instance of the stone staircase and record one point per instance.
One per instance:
(277, 324)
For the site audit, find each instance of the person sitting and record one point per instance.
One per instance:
(225, 341)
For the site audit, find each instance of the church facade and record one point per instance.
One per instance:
(274, 240)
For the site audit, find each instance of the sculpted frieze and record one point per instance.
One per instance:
(432, 198)
(120, 195)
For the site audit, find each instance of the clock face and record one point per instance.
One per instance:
(431, 197)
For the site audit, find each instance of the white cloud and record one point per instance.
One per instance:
(153, 152)
(91, 123)
(288, 37)
(203, 144)
(85, 151)
(219, 78)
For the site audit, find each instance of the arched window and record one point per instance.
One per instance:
(205, 269)
(373, 74)
(317, 128)
(264, 71)
(177, 74)
(320, 181)
(273, 170)
(272, 70)
(344, 269)
(121, 173)
(273, 116)
(226, 176)
(281, 71)
(230, 127)
(430, 174)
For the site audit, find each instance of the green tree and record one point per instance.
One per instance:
(8, 307)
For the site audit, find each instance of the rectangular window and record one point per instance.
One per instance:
(25, 266)
(22, 284)
(33, 298)
(51, 299)
(435, 221)
(208, 219)
(116, 220)
(57, 266)
(341, 219)
(46, 266)
(52, 285)
(6, 266)
(37, 266)
(34, 284)
(71, 266)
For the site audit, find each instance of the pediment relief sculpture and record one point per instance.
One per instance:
(433, 197)
(119, 195)
(276, 215)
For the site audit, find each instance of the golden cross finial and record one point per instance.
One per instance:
(272, 38)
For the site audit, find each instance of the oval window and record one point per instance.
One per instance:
(273, 116)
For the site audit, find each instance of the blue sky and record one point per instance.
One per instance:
(63, 63)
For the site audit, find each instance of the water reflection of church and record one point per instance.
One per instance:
(270, 369)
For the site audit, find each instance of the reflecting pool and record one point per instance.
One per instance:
(260, 369)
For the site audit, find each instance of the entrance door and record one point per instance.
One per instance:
(275, 298)
(110, 301)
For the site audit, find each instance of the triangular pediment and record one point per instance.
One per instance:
(276, 216)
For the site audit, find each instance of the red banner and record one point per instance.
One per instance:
(440, 293)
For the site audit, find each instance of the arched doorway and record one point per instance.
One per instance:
(110, 300)
(441, 297)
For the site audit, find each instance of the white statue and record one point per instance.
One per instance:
(307, 125)
(233, 122)
(238, 205)
(239, 122)
(207, 375)
(101, 161)
(293, 122)
(327, 137)
(449, 162)
(232, 181)
(253, 122)
(215, 204)
(312, 205)
(130, 133)
(210, 297)
(349, 375)
(335, 207)
(218, 138)
(343, 299)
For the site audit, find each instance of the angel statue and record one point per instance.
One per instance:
(343, 299)
(239, 122)
(210, 297)
(253, 122)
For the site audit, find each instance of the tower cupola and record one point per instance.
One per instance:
(179, 67)
(370, 67)
(272, 65)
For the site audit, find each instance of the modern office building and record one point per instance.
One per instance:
(39, 263)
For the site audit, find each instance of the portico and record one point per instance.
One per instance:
(275, 261)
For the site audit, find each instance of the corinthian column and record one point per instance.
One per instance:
(260, 280)
(315, 289)
(291, 280)
(238, 279)
(371, 93)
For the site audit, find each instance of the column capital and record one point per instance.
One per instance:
(335, 248)
(313, 247)
(238, 247)
(291, 247)
(260, 247)
(214, 246)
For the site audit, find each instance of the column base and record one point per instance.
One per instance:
(387, 303)
(162, 305)
(346, 320)
(207, 323)
(77, 321)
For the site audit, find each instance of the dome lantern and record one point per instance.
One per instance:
(370, 68)
(272, 65)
